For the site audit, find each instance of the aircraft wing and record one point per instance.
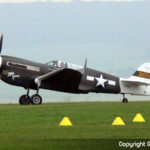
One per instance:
(46, 76)
(133, 82)
(63, 78)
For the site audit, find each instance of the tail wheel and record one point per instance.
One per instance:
(24, 100)
(36, 99)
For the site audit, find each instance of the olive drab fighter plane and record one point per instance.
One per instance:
(66, 77)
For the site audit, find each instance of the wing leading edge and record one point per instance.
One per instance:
(62, 80)
(39, 79)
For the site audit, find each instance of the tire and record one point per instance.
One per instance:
(125, 100)
(24, 100)
(36, 99)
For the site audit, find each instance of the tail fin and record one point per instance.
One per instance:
(143, 71)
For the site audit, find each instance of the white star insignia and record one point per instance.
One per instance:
(101, 81)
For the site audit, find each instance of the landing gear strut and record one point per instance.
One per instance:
(36, 99)
(124, 100)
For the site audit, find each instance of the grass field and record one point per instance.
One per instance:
(35, 127)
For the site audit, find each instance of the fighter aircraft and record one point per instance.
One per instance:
(66, 77)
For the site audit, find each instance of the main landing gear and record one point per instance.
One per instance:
(124, 100)
(35, 99)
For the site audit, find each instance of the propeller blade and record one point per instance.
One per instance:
(85, 65)
(1, 42)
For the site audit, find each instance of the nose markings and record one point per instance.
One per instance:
(12, 74)
(5, 72)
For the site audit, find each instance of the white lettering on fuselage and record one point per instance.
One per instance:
(12, 74)
(23, 66)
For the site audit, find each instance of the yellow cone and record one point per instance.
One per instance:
(118, 122)
(65, 122)
(138, 118)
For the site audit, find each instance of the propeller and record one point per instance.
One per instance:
(85, 65)
(1, 42)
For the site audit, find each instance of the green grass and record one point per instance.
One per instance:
(35, 127)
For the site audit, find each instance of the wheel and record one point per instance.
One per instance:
(24, 100)
(36, 99)
(125, 100)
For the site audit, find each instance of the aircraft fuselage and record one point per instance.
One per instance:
(21, 72)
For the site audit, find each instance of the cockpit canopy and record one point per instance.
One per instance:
(63, 64)
(53, 64)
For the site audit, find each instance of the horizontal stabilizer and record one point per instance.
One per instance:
(140, 77)
(134, 82)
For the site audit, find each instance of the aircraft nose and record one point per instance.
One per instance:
(0, 61)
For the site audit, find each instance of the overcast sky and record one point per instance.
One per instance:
(113, 34)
